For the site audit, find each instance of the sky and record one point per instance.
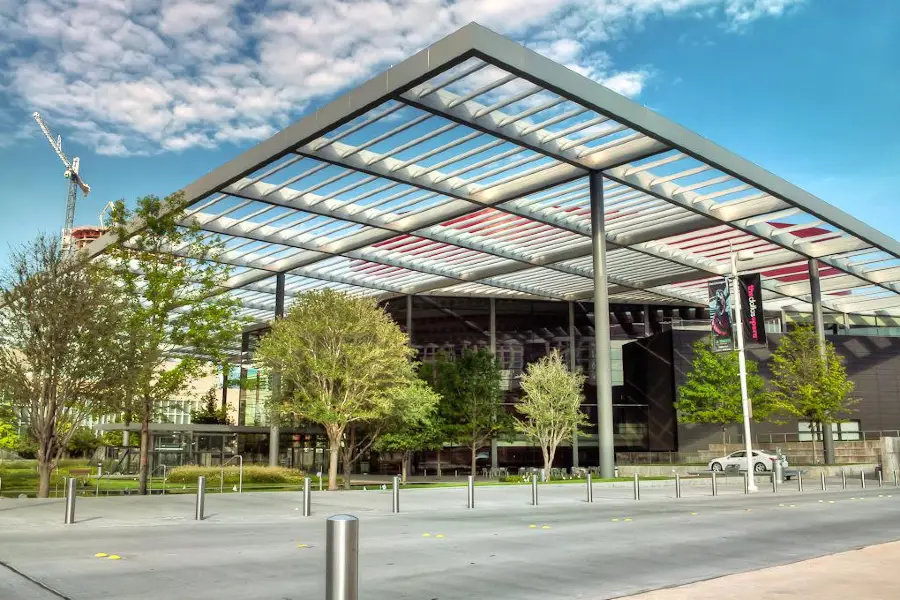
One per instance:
(153, 94)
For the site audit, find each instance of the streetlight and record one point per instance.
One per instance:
(742, 360)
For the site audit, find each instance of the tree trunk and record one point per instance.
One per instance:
(474, 454)
(334, 444)
(439, 473)
(145, 452)
(349, 448)
(548, 461)
(44, 471)
(724, 439)
(404, 466)
(815, 430)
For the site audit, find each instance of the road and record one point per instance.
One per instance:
(259, 546)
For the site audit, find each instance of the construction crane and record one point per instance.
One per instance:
(71, 173)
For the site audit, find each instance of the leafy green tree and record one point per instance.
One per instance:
(83, 442)
(177, 326)
(806, 385)
(712, 392)
(551, 404)
(411, 427)
(210, 413)
(471, 411)
(58, 363)
(341, 359)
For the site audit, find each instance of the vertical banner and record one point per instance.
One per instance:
(752, 318)
(720, 316)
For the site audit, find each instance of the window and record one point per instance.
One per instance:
(741, 454)
(844, 432)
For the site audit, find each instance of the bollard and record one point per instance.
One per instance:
(824, 485)
(470, 501)
(201, 493)
(637, 486)
(896, 481)
(715, 487)
(590, 488)
(677, 485)
(799, 482)
(534, 491)
(862, 479)
(880, 480)
(395, 500)
(843, 479)
(307, 497)
(342, 558)
(70, 500)
(774, 482)
(746, 483)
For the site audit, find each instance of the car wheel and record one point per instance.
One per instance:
(760, 467)
(716, 466)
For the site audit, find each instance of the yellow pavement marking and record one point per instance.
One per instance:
(303, 545)
(615, 520)
(694, 514)
(101, 555)
(532, 527)
(792, 506)
(627, 520)
(831, 502)
(426, 535)
(114, 557)
(545, 527)
(781, 505)
(440, 535)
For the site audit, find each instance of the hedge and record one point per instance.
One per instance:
(252, 474)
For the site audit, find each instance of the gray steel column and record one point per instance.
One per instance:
(201, 498)
(492, 334)
(815, 290)
(342, 558)
(602, 358)
(274, 431)
(409, 317)
(572, 367)
(71, 482)
(648, 330)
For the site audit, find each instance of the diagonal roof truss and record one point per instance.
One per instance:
(463, 172)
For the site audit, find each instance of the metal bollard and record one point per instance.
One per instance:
(896, 481)
(774, 482)
(799, 482)
(824, 485)
(342, 558)
(880, 480)
(843, 479)
(590, 488)
(862, 479)
(307, 496)
(534, 490)
(637, 486)
(470, 502)
(715, 486)
(201, 496)
(70, 500)
(746, 483)
(677, 485)
(395, 500)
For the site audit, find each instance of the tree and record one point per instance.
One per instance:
(808, 386)
(341, 359)
(411, 428)
(177, 325)
(472, 408)
(551, 404)
(210, 413)
(9, 432)
(83, 442)
(711, 393)
(59, 320)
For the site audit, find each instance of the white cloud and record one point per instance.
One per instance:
(145, 76)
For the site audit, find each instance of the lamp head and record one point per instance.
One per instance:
(746, 255)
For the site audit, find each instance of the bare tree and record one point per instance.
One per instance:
(59, 323)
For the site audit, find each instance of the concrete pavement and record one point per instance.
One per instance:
(259, 545)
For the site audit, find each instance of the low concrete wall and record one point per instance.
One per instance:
(671, 470)
(868, 451)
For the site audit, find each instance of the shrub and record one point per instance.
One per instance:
(252, 474)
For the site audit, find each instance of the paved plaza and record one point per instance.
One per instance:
(259, 546)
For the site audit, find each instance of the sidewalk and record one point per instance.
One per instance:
(866, 574)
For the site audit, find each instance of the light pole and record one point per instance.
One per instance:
(742, 360)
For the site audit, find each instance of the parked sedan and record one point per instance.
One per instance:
(762, 461)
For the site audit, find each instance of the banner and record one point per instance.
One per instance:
(752, 318)
(720, 316)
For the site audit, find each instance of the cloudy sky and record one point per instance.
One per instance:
(152, 94)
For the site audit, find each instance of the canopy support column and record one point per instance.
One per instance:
(274, 431)
(815, 290)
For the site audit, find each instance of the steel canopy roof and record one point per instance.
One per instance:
(462, 171)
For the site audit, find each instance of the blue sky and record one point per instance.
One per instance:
(151, 95)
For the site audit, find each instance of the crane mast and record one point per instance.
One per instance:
(72, 174)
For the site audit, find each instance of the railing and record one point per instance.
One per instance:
(240, 473)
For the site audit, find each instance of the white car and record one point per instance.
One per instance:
(762, 461)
